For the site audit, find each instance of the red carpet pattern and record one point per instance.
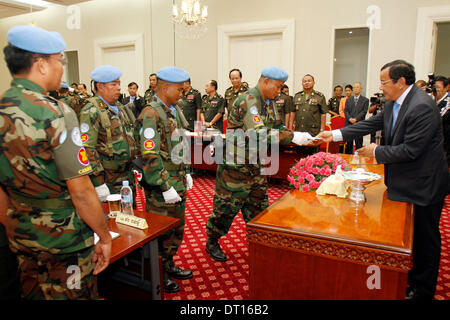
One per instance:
(229, 280)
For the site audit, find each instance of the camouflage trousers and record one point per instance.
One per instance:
(45, 276)
(237, 189)
(171, 240)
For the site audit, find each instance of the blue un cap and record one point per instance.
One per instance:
(106, 73)
(36, 40)
(173, 74)
(275, 73)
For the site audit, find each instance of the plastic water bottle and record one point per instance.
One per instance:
(355, 159)
(126, 198)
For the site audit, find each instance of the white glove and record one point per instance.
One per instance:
(102, 192)
(302, 138)
(189, 182)
(171, 196)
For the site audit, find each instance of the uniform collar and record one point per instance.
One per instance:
(215, 97)
(166, 107)
(27, 84)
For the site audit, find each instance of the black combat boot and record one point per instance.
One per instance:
(214, 250)
(175, 272)
(170, 286)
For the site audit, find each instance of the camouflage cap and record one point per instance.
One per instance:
(36, 40)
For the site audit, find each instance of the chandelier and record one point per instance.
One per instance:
(191, 23)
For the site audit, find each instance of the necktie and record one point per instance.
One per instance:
(395, 114)
(356, 100)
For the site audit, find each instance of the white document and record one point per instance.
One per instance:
(113, 236)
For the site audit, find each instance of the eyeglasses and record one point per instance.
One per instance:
(62, 60)
(383, 83)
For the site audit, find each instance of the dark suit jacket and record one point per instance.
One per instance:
(138, 105)
(415, 165)
(358, 111)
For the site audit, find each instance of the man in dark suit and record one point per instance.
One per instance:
(138, 101)
(415, 165)
(355, 110)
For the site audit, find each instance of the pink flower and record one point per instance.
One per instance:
(315, 185)
(316, 170)
(328, 172)
(301, 180)
(318, 162)
(310, 177)
(298, 166)
(297, 185)
(305, 188)
(322, 171)
(302, 162)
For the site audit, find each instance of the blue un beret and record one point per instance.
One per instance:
(64, 85)
(106, 73)
(173, 74)
(36, 40)
(275, 73)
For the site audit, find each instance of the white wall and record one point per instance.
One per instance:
(442, 64)
(314, 22)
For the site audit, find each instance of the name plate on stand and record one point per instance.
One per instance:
(131, 221)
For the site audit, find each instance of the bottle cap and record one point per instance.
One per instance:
(125, 183)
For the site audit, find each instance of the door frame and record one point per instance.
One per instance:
(226, 32)
(332, 56)
(426, 18)
(136, 40)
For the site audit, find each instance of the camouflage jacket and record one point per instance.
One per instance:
(231, 95)
(41, 148)
(285, 105)
(159, 132)
(111, 147)
(75, 101)
(149, 95)
(251, 113)
(211, 107)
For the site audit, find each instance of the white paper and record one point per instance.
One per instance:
(113, 236)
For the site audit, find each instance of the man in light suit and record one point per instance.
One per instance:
(355, 110)
(415, 166)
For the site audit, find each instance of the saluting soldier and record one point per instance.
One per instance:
(243, 186)
(151, 91)
(190, 103)
(107, 131)
(72, 98)
(310, 108)
(53, 208)
(212, 107)
(237, 88)
(160, 126)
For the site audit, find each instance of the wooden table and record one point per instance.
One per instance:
(132, 239)
(306, 246)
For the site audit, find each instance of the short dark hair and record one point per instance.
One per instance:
(401, 69)
(232, 70)
(214, 84)
(84, 86)
(153, 74)
(132, 84)
(444, 80)
(338, 86)
(20, 61)
(349, 86)
(309, 75)
(284, 87)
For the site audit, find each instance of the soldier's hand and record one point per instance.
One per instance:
(171, 196)
(102, 255)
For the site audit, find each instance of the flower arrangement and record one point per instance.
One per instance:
(309, 173)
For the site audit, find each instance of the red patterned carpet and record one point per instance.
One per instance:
(229, 280)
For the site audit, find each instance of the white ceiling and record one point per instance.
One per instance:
(11, 8)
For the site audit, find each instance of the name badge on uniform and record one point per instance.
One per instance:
(190, 97)
(280, 101)
(214, 102)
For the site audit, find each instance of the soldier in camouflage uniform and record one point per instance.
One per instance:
(53, 208)
(242, 186)
(159, 126)
(212, 107)
(151, 91)
(72, 98)
(190, 104)
(107, 129)
(237, 88)
(285, 107)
